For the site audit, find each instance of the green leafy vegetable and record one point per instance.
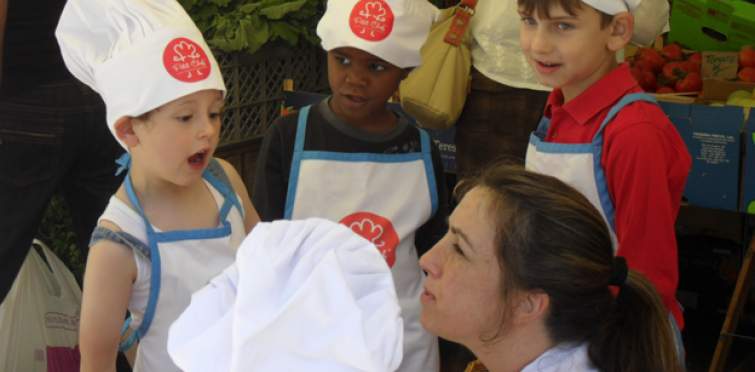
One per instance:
(241, 25)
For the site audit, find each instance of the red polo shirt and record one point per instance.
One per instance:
(646, 165)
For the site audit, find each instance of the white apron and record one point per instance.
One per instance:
(182, 262)
(578, 165)
(385, 198)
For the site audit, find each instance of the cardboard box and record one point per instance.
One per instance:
(714, 25)
(708, 271)
(712, 136)
(748, 167)
(717, 90)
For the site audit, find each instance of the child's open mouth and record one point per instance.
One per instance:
(356, 100)
(547, 67)
(197, 160)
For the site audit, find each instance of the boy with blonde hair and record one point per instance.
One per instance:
(180, 215)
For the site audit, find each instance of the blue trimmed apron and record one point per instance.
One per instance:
(182, 262)
(578, 165)
(385, 198)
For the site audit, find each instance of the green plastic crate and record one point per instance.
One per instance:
(713, 25)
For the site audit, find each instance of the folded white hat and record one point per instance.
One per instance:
(393, 30)
(137, 54)
(651, 19)
(307, 295)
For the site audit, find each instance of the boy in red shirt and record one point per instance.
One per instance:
(603, 135)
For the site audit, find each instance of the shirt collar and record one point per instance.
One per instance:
(596, 98)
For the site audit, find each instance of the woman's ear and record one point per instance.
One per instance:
(531, 306)
(622, 29)
(124, 130)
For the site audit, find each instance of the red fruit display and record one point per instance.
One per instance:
(644, 65)
(638, 75)
(690, 83)
(746, 59)
(673, 71)
(747, 74)
(665, 90)
(692, 67)
(655, 59)
(673, 52)
(696, 58)
(650, 82)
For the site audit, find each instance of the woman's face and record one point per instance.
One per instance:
(462, 299)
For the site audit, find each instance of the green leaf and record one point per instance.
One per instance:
(222, 3)
(269, 3)
(255, 37)
(187, 4)
(285, 31)
(249, 8)
(313, 39)
(207, 12)
(203, 26)
(226, 45)
(278, 11)
(256, 20)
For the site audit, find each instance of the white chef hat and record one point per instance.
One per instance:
(137, 54)
(307, 295)
(650, 21)
(614, 7)
(393, 30)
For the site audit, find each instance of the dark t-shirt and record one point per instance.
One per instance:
(325, 132)
(31, 54)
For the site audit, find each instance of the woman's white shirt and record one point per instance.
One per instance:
(562, 358)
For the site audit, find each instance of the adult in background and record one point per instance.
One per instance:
(507, 101)
(53, 136)
(527, 280)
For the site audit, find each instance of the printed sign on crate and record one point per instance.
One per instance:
(722, 65)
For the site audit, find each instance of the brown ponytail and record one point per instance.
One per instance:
(550, 238)
(621, 344)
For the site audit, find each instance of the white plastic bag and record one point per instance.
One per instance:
(39, 319)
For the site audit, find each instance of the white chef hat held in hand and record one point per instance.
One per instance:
(137, 54)
(307, 295)
(393, 30)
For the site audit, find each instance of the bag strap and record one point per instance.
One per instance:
(464, 13)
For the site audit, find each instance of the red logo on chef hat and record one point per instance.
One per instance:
(186, 61)
(377, 230)
(371, 20)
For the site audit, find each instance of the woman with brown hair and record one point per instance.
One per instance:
(527, 280)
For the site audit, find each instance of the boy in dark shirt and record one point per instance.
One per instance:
(352, 160)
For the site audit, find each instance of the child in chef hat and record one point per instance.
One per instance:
(603, 135)
(352, 160)
(178, 218)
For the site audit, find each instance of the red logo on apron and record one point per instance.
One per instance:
(377, 230)
(186, 61)
(371, 20)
